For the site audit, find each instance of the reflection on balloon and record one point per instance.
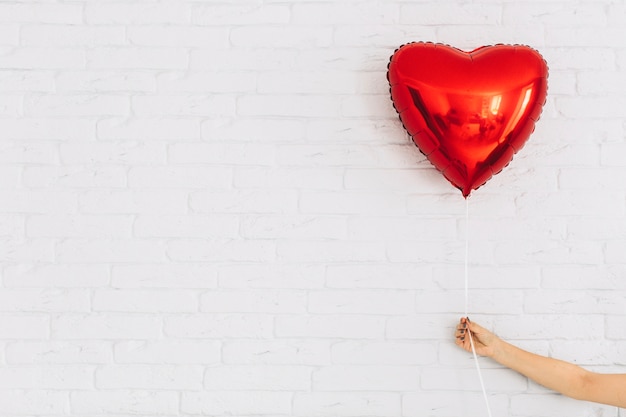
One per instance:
(468, 112)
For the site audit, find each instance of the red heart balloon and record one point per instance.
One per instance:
(468, 112)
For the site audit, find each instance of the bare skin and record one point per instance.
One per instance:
(560, 376)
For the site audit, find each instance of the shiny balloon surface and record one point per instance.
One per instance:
(468, 112)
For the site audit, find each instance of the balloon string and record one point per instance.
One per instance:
(480, 375)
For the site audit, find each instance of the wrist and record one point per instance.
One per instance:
(498, 352)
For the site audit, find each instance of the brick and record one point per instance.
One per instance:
(148, 202)
(600, 83)
(55, 276)
(258, 377)
(579, 58)
(423, 326)
(498, 380)
(27, 58)
(402, 228)
(325, 155)
(113, 152)
(293, 227)
(137, 57)
(285, 36)
(481, 301)
(276, 352)
(353, 301)
(612, 251)
(29, 153)
(72, 35)
(582, 277)
(385, 179)
(145, 300)
(285, 82)
(218, 81)
(169, 276)
(148, 128)
(582, 36)
(25, 326)
(330, 251)
(196, 226)
(190, 177)
(236, 402)
(156, 402)
(245, 58)
(27, 81)
(288, 106)
(119, 81)
(33, 401)
(221, 153)
(615, 327)
(346, 14)
(154, 376)
(438, 404)
(537, 327)
(244, 201)
(256, 301)
(253, 130)
(47, 377)
(10, 106)
(301, 276)
(486, 277)
(74, 177)
(109, 250)
(24, 250)
(221, 250)
(367, 378)
(41, 13)
(12, 225)
(370, 105)
(588, 353)
(76, 105)
(363, 202)
(219, 326)
(550, 405)
(371, 37)
(104, 326)
(46, 300)
(55, 352)
(48, 129)
(610, 156)
(107, 13)
(239, 14)
(554, 14)
(173, 351)
(346, 404)
(183, 105)
(383, 353)
(379, 276)
(330, 326)
(450, 14)
(179, 36)
(289, 177)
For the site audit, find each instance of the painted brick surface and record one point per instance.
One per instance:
(211, 208)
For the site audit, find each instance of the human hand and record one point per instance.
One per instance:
(485, 342)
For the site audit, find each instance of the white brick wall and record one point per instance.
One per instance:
(211, 208)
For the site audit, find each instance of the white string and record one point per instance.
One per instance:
(480, 375)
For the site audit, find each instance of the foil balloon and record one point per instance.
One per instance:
(468, 112)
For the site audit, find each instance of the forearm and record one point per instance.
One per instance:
(557, 375)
